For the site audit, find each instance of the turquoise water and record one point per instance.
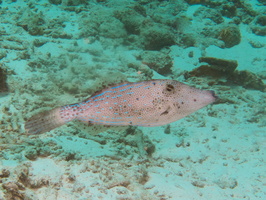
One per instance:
(60, 52)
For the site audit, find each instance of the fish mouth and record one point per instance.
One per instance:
(213, 94)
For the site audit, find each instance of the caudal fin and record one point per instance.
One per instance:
(44, 121)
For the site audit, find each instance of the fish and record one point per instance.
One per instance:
(146, 103)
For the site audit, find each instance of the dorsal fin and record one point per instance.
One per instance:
(106, 88)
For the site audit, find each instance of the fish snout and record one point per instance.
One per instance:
(213, 95)
(206, 97)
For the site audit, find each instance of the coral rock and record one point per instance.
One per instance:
(158, 61)
(216, 68)
(157, 36)
(248, 80)
(230, 36)
(227, 66)
(131, 19)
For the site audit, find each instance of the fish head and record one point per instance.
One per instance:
(180, 100)
(190, 99)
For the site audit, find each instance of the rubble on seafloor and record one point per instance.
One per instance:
(3, 81)
(222, 68)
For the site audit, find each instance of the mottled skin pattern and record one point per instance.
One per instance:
(147, 103)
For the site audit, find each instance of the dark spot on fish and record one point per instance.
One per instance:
(195, 100)
(154, 83)
(182, 102)
(130, 123)
(137, 98)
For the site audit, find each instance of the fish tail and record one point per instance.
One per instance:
(46, 121)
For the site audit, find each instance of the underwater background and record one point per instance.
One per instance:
(58, 52)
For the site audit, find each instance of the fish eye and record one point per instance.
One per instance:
(169, 87)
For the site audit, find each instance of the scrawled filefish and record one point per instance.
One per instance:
(146, 103)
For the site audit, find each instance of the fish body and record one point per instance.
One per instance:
(146, 103)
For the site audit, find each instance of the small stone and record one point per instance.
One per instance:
(4, 173)
(39, 42)
(263, 2)
(2, 54)
(191, 54)
(198, 184)
(208, 13)
(179, 143)
(149, 186)
(167, 129)
(227, 183)
(261, 20)
(71, 178)
(259, 30)
(3, 81)
(13, 191)
(256, 44)
(44, 151)
(56, 2)
(31, 154)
